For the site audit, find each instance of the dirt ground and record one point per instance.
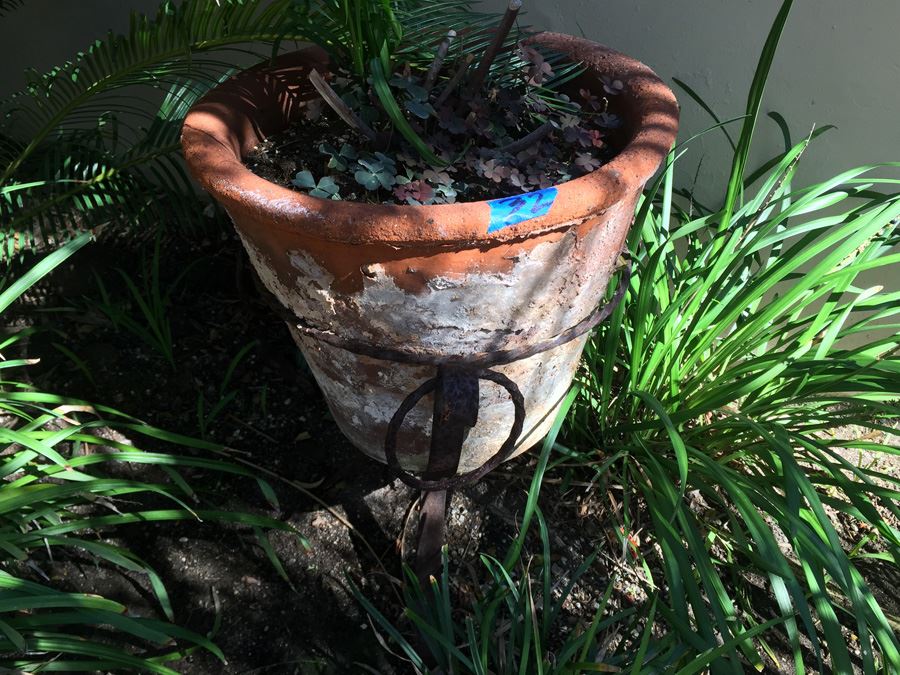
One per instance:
(358, 520)
(357, 525)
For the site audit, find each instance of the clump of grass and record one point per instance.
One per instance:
(516, 621)
(716, 383)
(511, 625)
(208, 413)
(144, 311)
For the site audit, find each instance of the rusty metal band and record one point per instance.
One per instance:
(456, 400)
(474, 366)
(479, 360)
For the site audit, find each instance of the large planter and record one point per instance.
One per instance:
(446, 280)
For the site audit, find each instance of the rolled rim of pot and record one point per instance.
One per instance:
(234, 117)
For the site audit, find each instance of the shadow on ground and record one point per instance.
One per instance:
(218, 576)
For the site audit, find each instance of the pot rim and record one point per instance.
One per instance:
(233, 117)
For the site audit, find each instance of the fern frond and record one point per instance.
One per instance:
(6, 6)
(123, 170)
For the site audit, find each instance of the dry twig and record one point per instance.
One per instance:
(451, 84)
(330, 97)
(431, 75)
(528, 139)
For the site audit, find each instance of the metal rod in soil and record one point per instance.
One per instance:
(437, 64)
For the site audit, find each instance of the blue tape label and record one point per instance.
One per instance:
(512, 210)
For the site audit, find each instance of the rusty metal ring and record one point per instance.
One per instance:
(449, 483)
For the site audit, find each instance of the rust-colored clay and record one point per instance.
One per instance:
(429, 278)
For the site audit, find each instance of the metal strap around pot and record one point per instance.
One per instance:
(455, 388)
(476, 367)
(479, 360)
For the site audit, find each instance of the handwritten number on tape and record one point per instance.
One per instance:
(511, 210)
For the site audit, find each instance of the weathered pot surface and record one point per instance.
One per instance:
(451, 279)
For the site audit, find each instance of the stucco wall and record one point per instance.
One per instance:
(838, 63)
(44, 33)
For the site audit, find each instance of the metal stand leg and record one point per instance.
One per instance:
(432, 521)
(455, 412)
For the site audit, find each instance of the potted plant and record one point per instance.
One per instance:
(426, 187)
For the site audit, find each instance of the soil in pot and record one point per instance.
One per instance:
(320, 156)
(527, 128)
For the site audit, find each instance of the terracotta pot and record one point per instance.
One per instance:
(451, 279)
